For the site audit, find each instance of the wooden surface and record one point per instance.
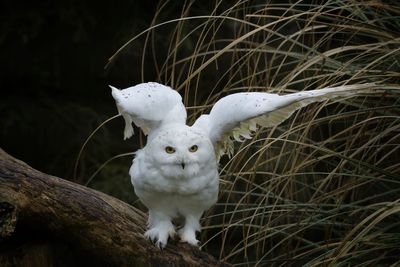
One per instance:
(95, 223)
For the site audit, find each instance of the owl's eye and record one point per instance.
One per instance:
(169, 149)
(193, 148)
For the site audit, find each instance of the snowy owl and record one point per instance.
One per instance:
(176, 172)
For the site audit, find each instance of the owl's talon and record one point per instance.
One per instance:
(189, 236)
(160, 245)
(159, 234)
(193, 242)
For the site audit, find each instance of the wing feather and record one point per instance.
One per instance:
(148, 105)
(237, 115)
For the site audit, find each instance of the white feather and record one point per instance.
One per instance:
(236, 115)
(147, 105)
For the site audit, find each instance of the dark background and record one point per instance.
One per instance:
(53, 81)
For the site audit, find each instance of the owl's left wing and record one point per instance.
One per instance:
(148, 105)
(237, 115)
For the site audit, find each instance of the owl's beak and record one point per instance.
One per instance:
(183, 165)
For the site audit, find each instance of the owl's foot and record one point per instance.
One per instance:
(159, 234)
(188, 235)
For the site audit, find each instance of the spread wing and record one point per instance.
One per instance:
(238, 115)
(148, 105)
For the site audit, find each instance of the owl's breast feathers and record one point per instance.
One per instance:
(173, 195)
(151, 177)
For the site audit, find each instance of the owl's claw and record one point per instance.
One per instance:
(189, 236)
(159, 234)
(193, 242)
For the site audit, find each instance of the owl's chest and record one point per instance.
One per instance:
(193, 179)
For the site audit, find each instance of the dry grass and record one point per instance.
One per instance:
(323, 188)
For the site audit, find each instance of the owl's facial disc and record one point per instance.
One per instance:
(171, 150)
(180, 151)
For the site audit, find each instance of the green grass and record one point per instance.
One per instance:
(323, 188)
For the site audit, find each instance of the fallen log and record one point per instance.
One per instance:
(94, 223)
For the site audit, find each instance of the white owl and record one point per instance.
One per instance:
(176, 173)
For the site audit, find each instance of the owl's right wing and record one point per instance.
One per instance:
(148, 105)
(238, 115)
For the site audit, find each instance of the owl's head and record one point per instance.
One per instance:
(180, 151)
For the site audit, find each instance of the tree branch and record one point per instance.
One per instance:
(94, 222)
